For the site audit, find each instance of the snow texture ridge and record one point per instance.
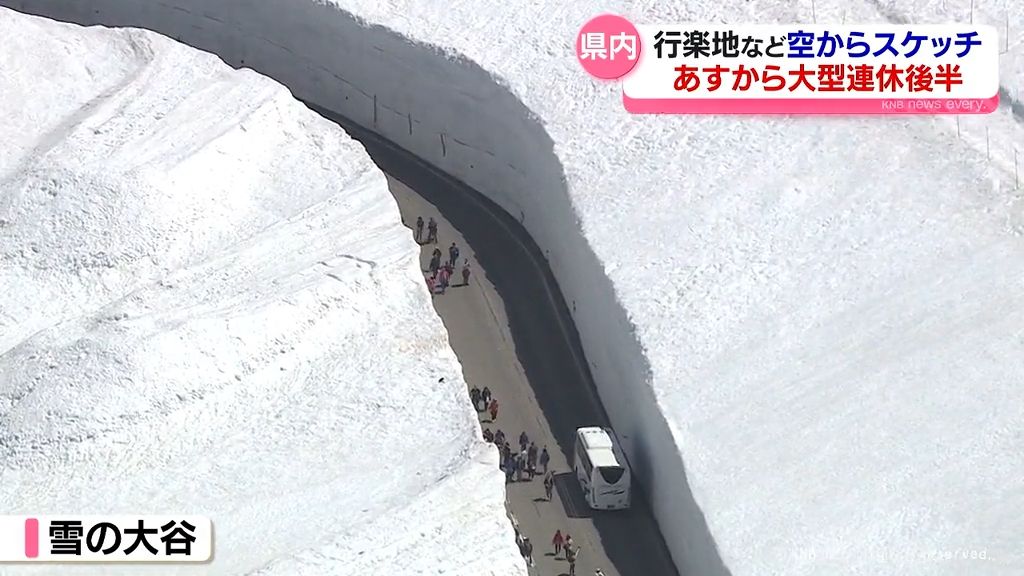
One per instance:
(819, 318)
(210, 306)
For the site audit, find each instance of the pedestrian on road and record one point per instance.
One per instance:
(499, 439)
(528, 548)
(531, 460)
(453, 255)
(524, 440)
(465, 272)
(443, 277)
(488, 435)
(419, 229)
(520, 464)
(508, 453)
(571, 554)
(432, 231)
(568, 545)
(549, 486)
(431, 284)
(474, 396)
(485, 396)
(435, 264)
(494, 409)
(544, 459)
(558, 541)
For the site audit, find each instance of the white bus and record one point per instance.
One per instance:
(601, 469)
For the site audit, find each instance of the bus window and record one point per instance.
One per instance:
(611, 474)
(581, 455)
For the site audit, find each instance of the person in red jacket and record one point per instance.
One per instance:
(493, 408)
(558, 541)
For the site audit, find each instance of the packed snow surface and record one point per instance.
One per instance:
(210, 306)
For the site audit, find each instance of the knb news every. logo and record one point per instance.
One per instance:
(795, 69)
(70, 538)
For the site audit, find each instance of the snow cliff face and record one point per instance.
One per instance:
(818, 317)
(210, 306)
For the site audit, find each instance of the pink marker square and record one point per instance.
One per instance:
(31, 537)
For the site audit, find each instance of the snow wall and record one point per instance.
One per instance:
(458, 117)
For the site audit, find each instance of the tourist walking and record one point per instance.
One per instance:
(435, 261)
(474, 396)
(493, 408)
(465, 272)
(571, 555)
(549, 486)
(419, 229)
(453, 255)
(531, 460)
(431, 231)
(443, 277)
(558, 541)
(544, 459)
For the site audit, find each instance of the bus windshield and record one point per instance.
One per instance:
(611, 474)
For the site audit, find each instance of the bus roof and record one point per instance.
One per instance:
(603, 458)
(599, 446)
(595, 438)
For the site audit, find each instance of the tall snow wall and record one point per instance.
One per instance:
(461, 119)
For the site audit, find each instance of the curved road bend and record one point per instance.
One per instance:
(512, 332)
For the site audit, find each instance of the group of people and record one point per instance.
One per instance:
(519, 465)
(484, 401)
(440, 272)
(522, 464)
(431, 231)
(563, 544)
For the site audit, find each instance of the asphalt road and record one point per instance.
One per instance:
(512, 332)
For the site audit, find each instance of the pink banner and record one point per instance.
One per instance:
(811, 106)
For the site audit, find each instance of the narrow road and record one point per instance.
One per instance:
(512, 332)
